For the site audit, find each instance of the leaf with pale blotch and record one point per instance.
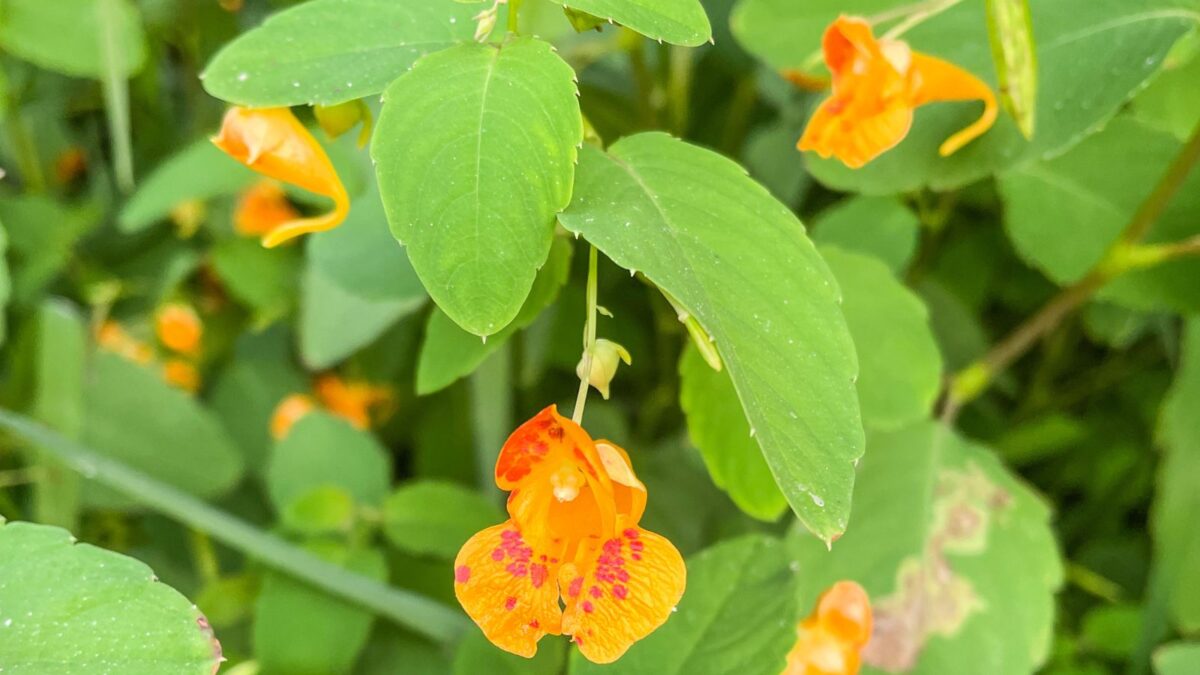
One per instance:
(940, 526)
(475, 152)
(1125, 42)
(331, 51)
(737, 616)
(738, 260)
(75, 608)
(680, 22)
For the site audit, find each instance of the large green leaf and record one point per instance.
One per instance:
(475, 654)
(1064, 213)
(42, 234)
(449, 352)
(738, 616)
(877, 226)
(73, 608)
(718, 428)
(1177, 658)
(330, 51)
(1092, 56)
(60, 369)
(264, 279)
(321, 450)
(681, 22)
(475, 152)
(957, 556)
(5, 284)
(739, 261)
(132, 415)
(436, 518)
(199, 171)
(65, 35)
(300, 631)
(1172, 101)
(900, 368)
(1176, 514)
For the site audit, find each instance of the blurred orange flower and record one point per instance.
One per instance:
(274, 143)
(261, 209)
(572, 537)
(112, 337)
(182, 374)
(70, 164)
(179, 328)
(289, 411)
(876, 86)
(830, 640)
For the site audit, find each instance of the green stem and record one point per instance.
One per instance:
(419, 614)
(491, 400)
(514, 12)
(1125, 254)
(30, 164)
(116, 96)
(589, 336)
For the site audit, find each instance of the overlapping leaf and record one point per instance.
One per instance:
(681, 22)
(65, 35)
(739, 261)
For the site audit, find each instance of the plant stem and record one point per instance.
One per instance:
(1125, 254)
(919, 15)
(116, 96)
(589, 336)
(491, 419)
(514, 11)
(419, 614)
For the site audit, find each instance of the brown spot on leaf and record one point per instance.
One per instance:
(930, 598)
(207, 631)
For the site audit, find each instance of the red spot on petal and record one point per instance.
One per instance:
(622, 576)
(575, 586)
(596, 592)
(619, 592)
(636, 546)
(517, 569)
(588, 607)
(510, 603)
(497, 554)
(537, 575)
(636, 556)
(630, 533)
(462, 574)
(534, 624)
(578, 640)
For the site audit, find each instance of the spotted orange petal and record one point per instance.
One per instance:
(621, 590)
(508, 586)
(274, 143)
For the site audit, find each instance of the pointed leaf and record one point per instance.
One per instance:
(680, 22)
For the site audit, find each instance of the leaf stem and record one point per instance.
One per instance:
(589, 336)
(412, 611)
(1126, 254)
(116, 96)
(514, 11)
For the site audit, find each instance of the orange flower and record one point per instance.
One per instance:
(70, 164)
(876, 86)
(274, 143)
(829, 641)
(289, 411)
(182, 374)
(179, 328)
(113, 338)
(261, 209)
(571, 538)
(351, 401)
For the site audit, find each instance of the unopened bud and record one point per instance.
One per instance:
(606, 355)
(485, 22)
(336, 120)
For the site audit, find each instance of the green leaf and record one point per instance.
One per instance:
(738, 615)
(680, 22)
(300, 631)
(1010, 30)
(265, 279)
(199, 171)
(1175, 519)
(739, 262)
(65, 36)
(718, 428)
(476, 655)
(335, 322)
(38, 253)
(900, 375)
(331, 51)
(436, 518)
(59, 373)
(5, 284)
(132, 415)
(1064, 213)
(322, 450)
(449, 352)
(940, 523)
(1111, 630)
(1124, 41)
(327, 509)
(1172, 101)
(1177, 658)
(475, 152)
(876, 226)
(75, 608)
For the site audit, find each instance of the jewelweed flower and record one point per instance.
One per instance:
(274, 143)
(112, 337)
(181, 374)
(70, 164)
(261, 209)
(571, 559)
(352, 401)
(289, 411)
(830, 640)
(876, 86)
(179, 328)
